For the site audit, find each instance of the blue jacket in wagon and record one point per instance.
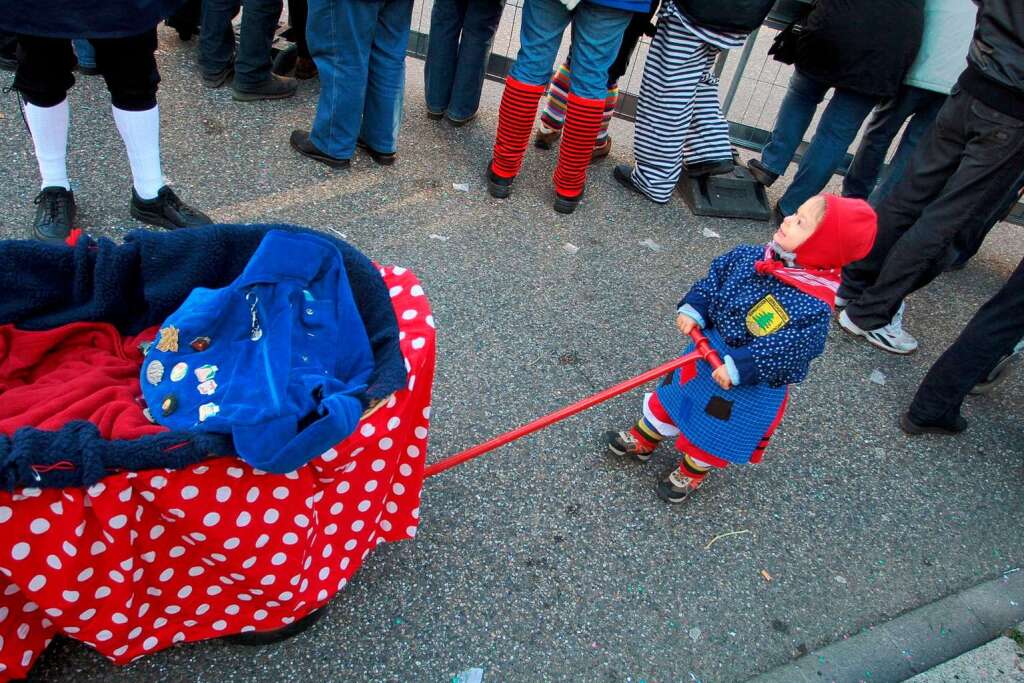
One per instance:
(279, 358)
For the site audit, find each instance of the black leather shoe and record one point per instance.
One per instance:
(303, 145)
(382, 158)
(917, 429)
(498, 187)
(761, 173)
(55, 213)
(567, 204)
(167, 211)
(707, 168)
(274, 88)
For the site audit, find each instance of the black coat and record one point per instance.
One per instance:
(83, 18)
(861, 45)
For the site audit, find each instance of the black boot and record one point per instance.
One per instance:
(274, 88)
(761, 173)
(55, 213)
(167, 211)
(498, 187)
(382, 158)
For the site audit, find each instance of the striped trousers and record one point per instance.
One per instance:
(678, 116)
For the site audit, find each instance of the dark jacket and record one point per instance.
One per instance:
(865, 46)
(83, 18)
(995, 62)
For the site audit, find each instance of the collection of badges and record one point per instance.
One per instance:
(204, 374)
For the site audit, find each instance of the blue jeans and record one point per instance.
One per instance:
(359, 50)
(923, 106)
(85, 53)
(217, 39)
(454, 69)
(836, 130)
(597, 35)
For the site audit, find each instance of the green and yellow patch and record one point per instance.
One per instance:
(766, 317)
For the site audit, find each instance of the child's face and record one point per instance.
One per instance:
(795, 229)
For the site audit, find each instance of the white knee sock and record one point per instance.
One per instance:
(49, 126)
(140, 131)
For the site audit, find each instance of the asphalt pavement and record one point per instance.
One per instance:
(549, 560)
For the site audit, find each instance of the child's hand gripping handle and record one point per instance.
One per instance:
(703, 347)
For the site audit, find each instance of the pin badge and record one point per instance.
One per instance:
(205, 372)
(200, 344)
(154, 372)
(208, 387)
(208, 410)
(168, 405)
(148, 415)
(168, 339)
(179, 371)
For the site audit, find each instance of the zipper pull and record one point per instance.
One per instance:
(255, 331)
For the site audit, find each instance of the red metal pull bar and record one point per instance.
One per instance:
(702, 351)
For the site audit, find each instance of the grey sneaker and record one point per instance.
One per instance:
(676, 487)
(891, 338)
(1000, 372)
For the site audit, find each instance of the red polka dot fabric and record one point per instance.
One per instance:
(144, 560)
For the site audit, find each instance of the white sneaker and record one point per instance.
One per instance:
(891, 338)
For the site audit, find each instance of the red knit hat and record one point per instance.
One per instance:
(846, 234)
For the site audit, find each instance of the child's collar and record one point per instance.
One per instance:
(788, 257)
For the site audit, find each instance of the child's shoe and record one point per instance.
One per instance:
(677, 486)
(624, 443)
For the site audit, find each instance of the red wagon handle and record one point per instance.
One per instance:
(702, 351)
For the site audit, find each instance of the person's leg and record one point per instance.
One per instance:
(990, 335)
(382, 112)
(217, 37)
(982, 170)
(129, 68)
(934, 161)
(640, 440)
(552, 116)
(297, 17)
(836, 130)
(85, 54)
(43, 78)
(967, 245)
(253, 62)
(543, 23)
(639, 23)
(340, 35)
(885, 122)
(925, 112)
(597, 36)
(446, 24)
(675, 64)
(802, 98)
(481, 23)
(707, 139)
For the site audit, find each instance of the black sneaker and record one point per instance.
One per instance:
(624, 443)
(274, 88)
(218, 79)
(498, 187)
(623, 173)
(761, 173)
(301, 143)
(676, 487)
(166, 210)
(917, 429)
(709, 168)
(382, 158)
(55, 213)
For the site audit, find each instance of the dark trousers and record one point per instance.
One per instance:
(217, 39)
(964, 167)
(298, 10)
(991, 334)
(967, 245)
(886, 121)
(638, 26)
(127, 65)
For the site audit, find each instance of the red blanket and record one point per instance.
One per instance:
(83, 371)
